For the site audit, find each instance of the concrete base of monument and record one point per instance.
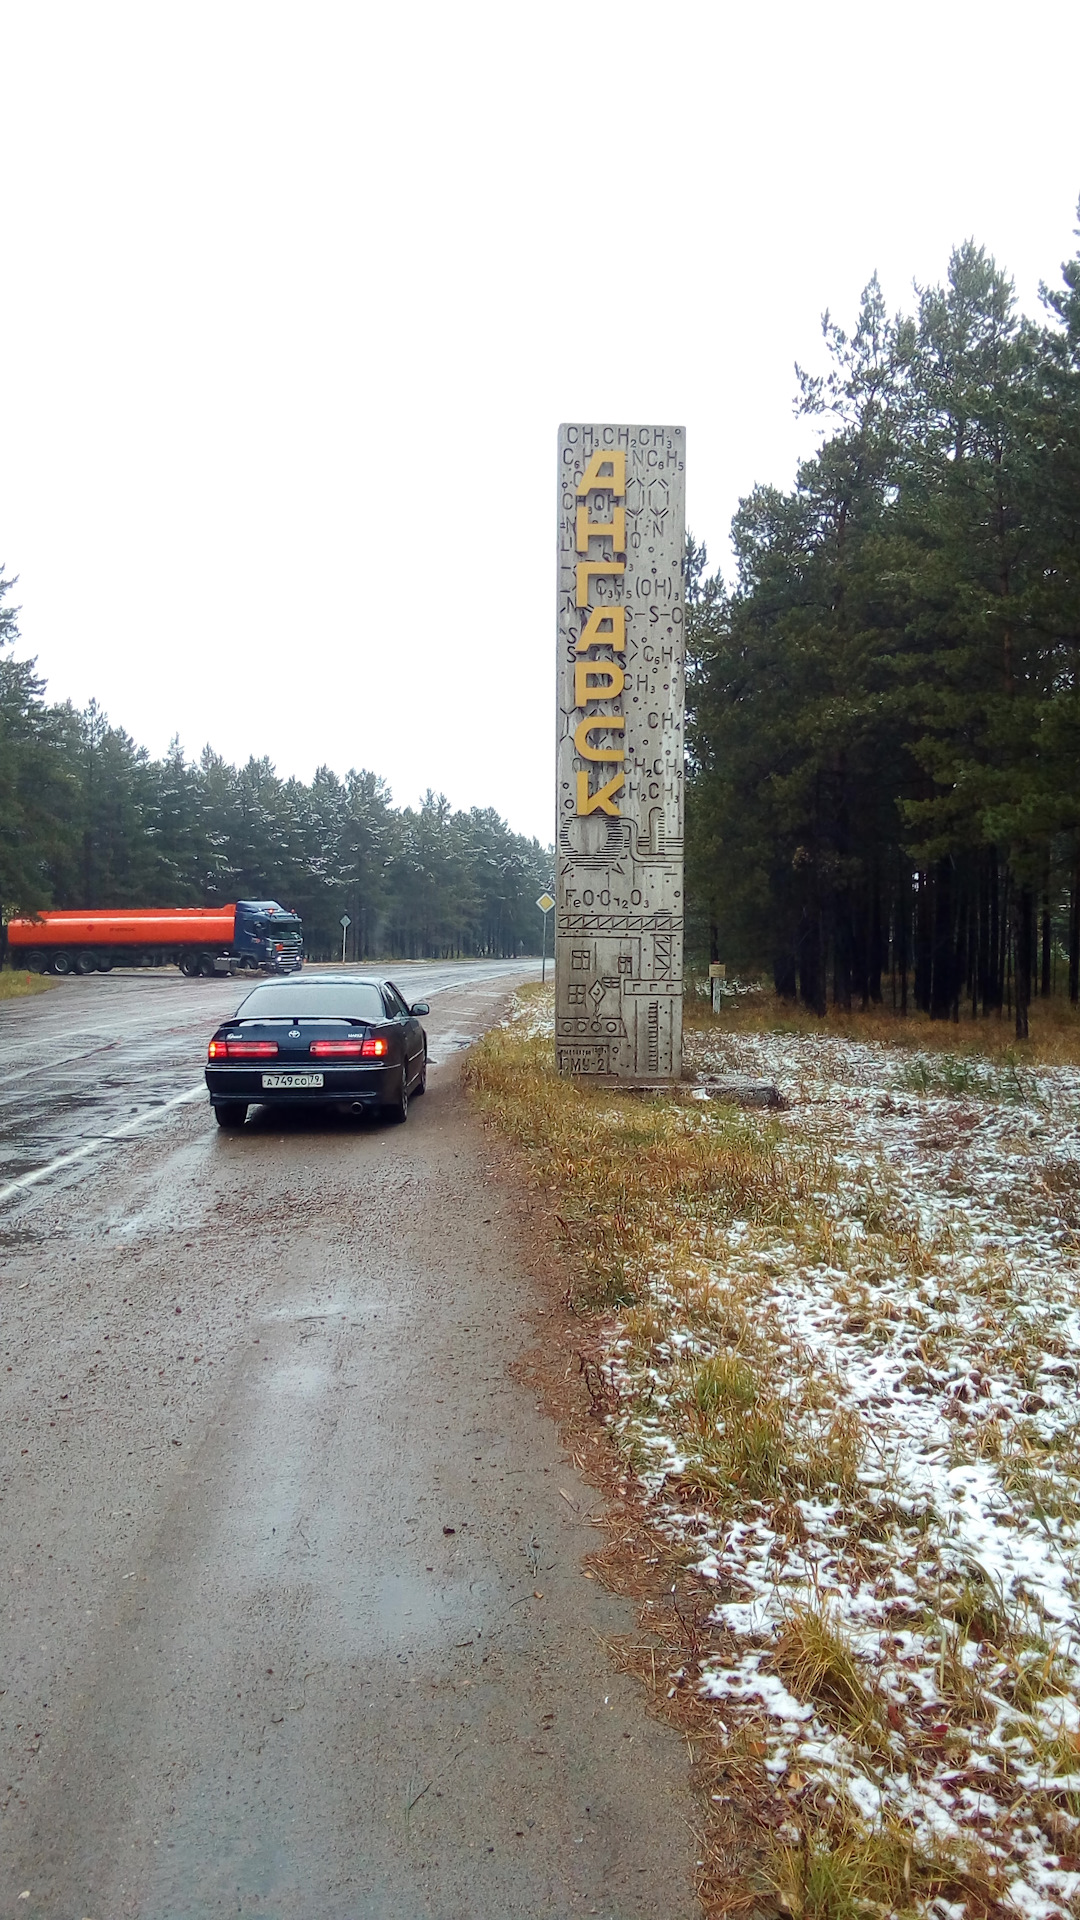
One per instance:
(734, 1089)
(738, 1090)
(613, 1083)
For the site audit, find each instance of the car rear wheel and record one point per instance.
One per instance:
(398, 1108)
(232, 1113)
(421, 1085)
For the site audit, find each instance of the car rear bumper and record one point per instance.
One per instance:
(373, 1086)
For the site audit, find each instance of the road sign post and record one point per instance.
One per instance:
(545, 904)
(345, 923)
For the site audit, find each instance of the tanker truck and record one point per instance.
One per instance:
(257, 935)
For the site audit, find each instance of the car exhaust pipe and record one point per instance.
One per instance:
(358, 1106)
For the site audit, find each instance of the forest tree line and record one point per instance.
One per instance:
(884, 709)
(90, 820)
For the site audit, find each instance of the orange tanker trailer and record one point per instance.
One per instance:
(255, 934)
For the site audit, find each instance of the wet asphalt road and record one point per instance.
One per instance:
(294, 1619)
(106, 1053)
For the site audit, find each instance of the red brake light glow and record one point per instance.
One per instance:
(241, 1050)
(336, 1049)
(373, 1049)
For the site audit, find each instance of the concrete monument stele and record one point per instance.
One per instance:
(619, 828)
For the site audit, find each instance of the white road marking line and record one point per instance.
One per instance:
(91, 1146)
(130, 1126)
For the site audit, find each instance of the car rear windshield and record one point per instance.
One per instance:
(293, 1000)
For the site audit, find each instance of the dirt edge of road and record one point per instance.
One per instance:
(637, 1563)
(123, 1714)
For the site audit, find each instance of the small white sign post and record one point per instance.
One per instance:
(346, 923)
(545, 904)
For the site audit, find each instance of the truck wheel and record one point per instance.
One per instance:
(35, 962)
(232, 1113)
(85, 963)
(189, 965)
(206, 965)
(105, 965)
(62, 962)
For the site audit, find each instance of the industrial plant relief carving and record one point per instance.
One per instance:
(619, 833)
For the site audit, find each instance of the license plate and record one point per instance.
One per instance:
(283, 1080)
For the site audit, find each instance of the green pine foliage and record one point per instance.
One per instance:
(88, 819)
(884, 709)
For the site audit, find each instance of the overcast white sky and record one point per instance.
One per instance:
(295, 297)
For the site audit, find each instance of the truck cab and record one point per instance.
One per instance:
(268, 935)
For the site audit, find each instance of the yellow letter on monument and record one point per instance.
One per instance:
(600, 801)
(592, 724)
(608, 673)
(592, 476)
(605, 627)
(613, 530)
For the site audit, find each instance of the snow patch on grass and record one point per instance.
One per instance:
(864, 1425)
(840, 1350)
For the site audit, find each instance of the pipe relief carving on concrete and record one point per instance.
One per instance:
(619, 831)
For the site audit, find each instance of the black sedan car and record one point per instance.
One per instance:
(318, 1040)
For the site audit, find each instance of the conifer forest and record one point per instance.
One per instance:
(884, 707)
(89, 820)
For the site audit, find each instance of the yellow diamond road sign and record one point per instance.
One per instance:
(545, 903)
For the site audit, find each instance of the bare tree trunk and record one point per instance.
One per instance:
(903, 922)
(941, 979)
(1025, 928)
(876, 963)
(1075, 932)
(842, 955)
(812, 984)
(785, 977)
(1004, 987)
(924, 948)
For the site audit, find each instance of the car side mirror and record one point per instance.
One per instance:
(420, 1007)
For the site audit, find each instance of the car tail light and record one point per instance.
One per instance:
(337, 1049)
(241, 1050)
(374, 1049)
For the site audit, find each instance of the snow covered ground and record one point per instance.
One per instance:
(850, 1383)
(897, 1578)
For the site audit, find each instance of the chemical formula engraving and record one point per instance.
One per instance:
(619, 830)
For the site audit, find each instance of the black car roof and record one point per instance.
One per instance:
(315, 995)
(309, 979)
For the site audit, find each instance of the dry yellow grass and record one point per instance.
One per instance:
(632, 1174)
(16, 983)
(813, 1657)
(1054, 1027)
(682, 1224)
(837, 1870)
